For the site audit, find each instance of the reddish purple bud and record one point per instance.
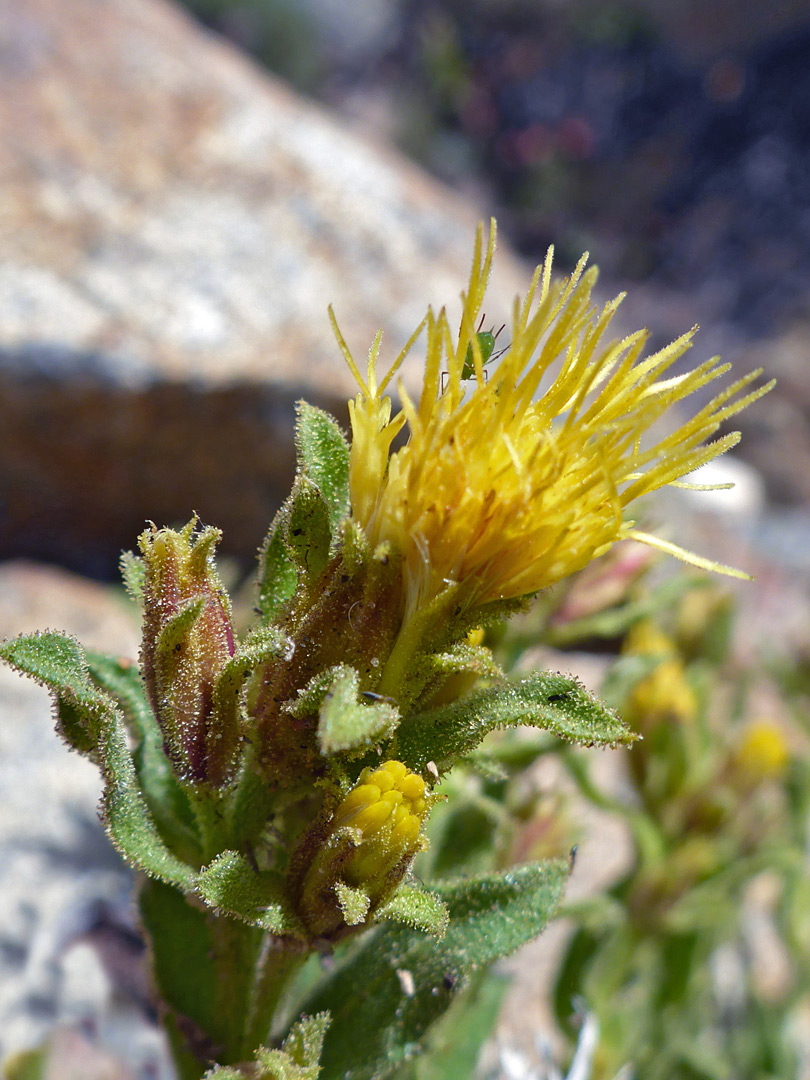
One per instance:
(187, 641)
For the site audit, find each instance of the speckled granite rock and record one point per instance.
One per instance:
(173, 224)
(69, 953)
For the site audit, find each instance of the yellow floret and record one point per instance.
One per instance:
(507, 484)
(412, 787)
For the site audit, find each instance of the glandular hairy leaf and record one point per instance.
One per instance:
(232, 886)
(90, 722)
(348, 720)
(400, 980)
(323, 457)
(299, 1057)
(546, 700)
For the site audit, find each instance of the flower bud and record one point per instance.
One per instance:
(187, 641)
(368, 844)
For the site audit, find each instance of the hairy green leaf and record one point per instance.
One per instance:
(90, 722)
(354, 903)
(278, 574)
(133, 571)
(263, 644)
(203, 968)
(400, 981)
(348, 722)
(546, 700)
(231, 885)
(455, 1042)
(309, 532)
(476, 659)
(299, 1056)
(323, 457)
(165, 796)
(416, 908)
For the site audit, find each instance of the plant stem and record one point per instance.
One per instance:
(275, 972)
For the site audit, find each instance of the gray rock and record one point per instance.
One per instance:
(173, 224)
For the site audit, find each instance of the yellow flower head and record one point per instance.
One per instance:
(762, 753)
(516, 479)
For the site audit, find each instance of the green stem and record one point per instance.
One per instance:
(209, 813)
(277, 968)
(204, 968)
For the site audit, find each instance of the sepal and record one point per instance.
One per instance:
(231, 885)
(354, 903)
(417, 908)
(133, 572)
(307, 528)
(278, 573)
(300, 1054)
(348, 721)
(309, 531)
(297, 1059)
(323, 457)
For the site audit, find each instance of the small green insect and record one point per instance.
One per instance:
(486, 344)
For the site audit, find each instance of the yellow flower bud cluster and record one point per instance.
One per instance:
(366, 845)
(387, 807)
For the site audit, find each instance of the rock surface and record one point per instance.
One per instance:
(173, 224)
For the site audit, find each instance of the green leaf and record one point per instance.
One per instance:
(347, 721)
(204, 970)
(278, 574)
(183, 953)
(91, 723)
(165, 796)
(133, 571)
(489, 917)
(476, 659)
(126, 815)
(299, 1056)
(230, 884)
(354, 903)
(546, 700)
(58, 662)
(323, 456)
(462, 836)
(416, 908)
(455, 1042)
(309, 532)
(175, 631)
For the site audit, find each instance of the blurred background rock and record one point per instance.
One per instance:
(175, 217)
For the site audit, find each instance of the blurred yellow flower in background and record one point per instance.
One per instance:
(518, 478)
